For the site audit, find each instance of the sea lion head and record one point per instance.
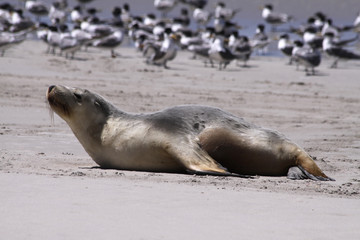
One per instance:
(85, 112)
(73, 103)
(80, 108)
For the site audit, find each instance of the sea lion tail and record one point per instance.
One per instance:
(307, 169)
(298, 173)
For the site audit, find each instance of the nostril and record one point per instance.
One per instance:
(51, 88)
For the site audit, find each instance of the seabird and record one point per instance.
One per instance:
(195, 3)
(274, 18)
(125, 14)
(166, 52)
(5, 16)
(241, 48)
(187, 38)
(222, 12)
(219, 53)
(81, 36)
(184, 17)
(306, 56)
(69, 45)
(18, 22)
(96, 30)
(135, 32)
(53, 39)
(201, 16)
(222, 26)
(260, 41)
(312, 38)
(149, 47)
(37, 8)
(320, 19)
(92, 15)
(8, 40)
(329, 27)
(337, 52)
(159, 28)
(42, 32)
(5, 9)
(116, 20)
(110, 42)
(150, 19)
(202, 50)
(177, 25)
(286, 46)
(62, 4)
(57, 14)
(301, 29)
(165, 6)
(141, 41)
(76, 15)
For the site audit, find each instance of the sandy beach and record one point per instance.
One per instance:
(50, 190)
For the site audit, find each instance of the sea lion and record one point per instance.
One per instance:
(194, 139)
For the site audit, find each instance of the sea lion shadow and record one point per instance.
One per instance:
(248, 66)
(317, 74)
(120, 56)
(76, 59)
(175, 69)
(239, 68)
(92, 167)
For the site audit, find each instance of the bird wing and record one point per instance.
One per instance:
(342, 53)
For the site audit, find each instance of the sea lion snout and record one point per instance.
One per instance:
(58, 101)
(51, 88)
(51, 91)
(48, 91)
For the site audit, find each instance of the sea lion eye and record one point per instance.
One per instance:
(78, 97)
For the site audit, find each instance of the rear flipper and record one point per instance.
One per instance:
(298, 173)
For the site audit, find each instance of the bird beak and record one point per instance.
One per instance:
(174, 36)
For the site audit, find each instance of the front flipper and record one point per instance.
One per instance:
(196, 160)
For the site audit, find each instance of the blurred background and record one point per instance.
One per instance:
(342, 12)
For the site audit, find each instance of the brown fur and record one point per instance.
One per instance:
(198, 139)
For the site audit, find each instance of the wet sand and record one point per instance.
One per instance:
(50, 190)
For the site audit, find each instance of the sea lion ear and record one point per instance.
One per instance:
(97, 104)
(100, 105)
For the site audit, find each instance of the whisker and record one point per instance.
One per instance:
(51, 112)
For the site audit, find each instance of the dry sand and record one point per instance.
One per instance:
(49, 189)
